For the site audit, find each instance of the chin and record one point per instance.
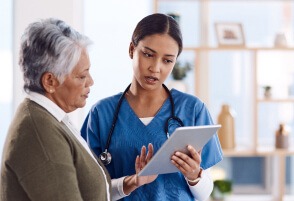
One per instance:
(82, 105)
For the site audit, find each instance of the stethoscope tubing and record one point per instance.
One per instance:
(105, 156)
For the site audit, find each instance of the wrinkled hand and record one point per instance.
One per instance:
(141, 162)
(189, 165)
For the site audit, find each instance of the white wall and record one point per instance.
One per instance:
(25, 12)
(108, 23)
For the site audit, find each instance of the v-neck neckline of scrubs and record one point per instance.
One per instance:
(161, 109)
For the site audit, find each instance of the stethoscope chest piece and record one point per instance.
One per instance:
(105, 157)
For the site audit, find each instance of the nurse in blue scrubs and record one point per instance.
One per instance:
(147, 112)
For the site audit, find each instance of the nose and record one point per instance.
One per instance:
(90, 81)
(155, 66)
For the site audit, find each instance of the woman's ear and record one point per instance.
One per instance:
(49, 82)
(131, 50)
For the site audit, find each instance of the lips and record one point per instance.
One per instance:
(86, 95)
(151, 79)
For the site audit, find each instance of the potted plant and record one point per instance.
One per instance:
(221, 189)
(179, 71)
(267, 91)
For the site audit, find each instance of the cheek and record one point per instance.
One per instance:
(137, 65)
(144, 64)
(75, 93)
(136, 61)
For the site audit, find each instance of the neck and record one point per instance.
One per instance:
(145, 95)
(146, 103)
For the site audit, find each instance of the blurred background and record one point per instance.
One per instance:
(238, 58)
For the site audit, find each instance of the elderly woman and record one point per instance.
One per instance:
(44, 157)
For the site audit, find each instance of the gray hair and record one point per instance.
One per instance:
(49, 45)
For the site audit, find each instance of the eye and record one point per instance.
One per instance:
(82, 77)
(147, 54)
(169, 61)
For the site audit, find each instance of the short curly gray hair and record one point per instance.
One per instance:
(49, 45)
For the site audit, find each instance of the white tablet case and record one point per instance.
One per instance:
(197, 136)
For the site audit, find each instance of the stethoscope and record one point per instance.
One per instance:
(172, 121)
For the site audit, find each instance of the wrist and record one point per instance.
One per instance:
(195, 181)
(130, 184)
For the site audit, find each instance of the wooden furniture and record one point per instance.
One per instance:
(258, 65)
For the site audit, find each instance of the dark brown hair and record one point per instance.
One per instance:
(158, 23)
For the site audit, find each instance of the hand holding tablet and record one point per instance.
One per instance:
(196, 136)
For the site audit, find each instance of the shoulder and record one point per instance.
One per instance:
(30, 116)
(35, 122)
(186, 99)
(186, 104)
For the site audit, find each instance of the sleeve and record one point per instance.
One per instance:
(202, 190)
(117, 189)
(211, 153)
(90, 131)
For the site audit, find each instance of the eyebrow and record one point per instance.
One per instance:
(169, 55)
(83, 71)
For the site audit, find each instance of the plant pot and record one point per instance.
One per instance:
(218, 196)
(221, 190)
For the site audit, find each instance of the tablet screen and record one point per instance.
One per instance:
(197, 136)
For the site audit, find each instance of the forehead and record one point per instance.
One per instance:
(161, 42)
(83, 63)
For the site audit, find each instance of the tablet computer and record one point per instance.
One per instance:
(197, 136)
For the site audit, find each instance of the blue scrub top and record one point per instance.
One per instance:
(130, 134)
